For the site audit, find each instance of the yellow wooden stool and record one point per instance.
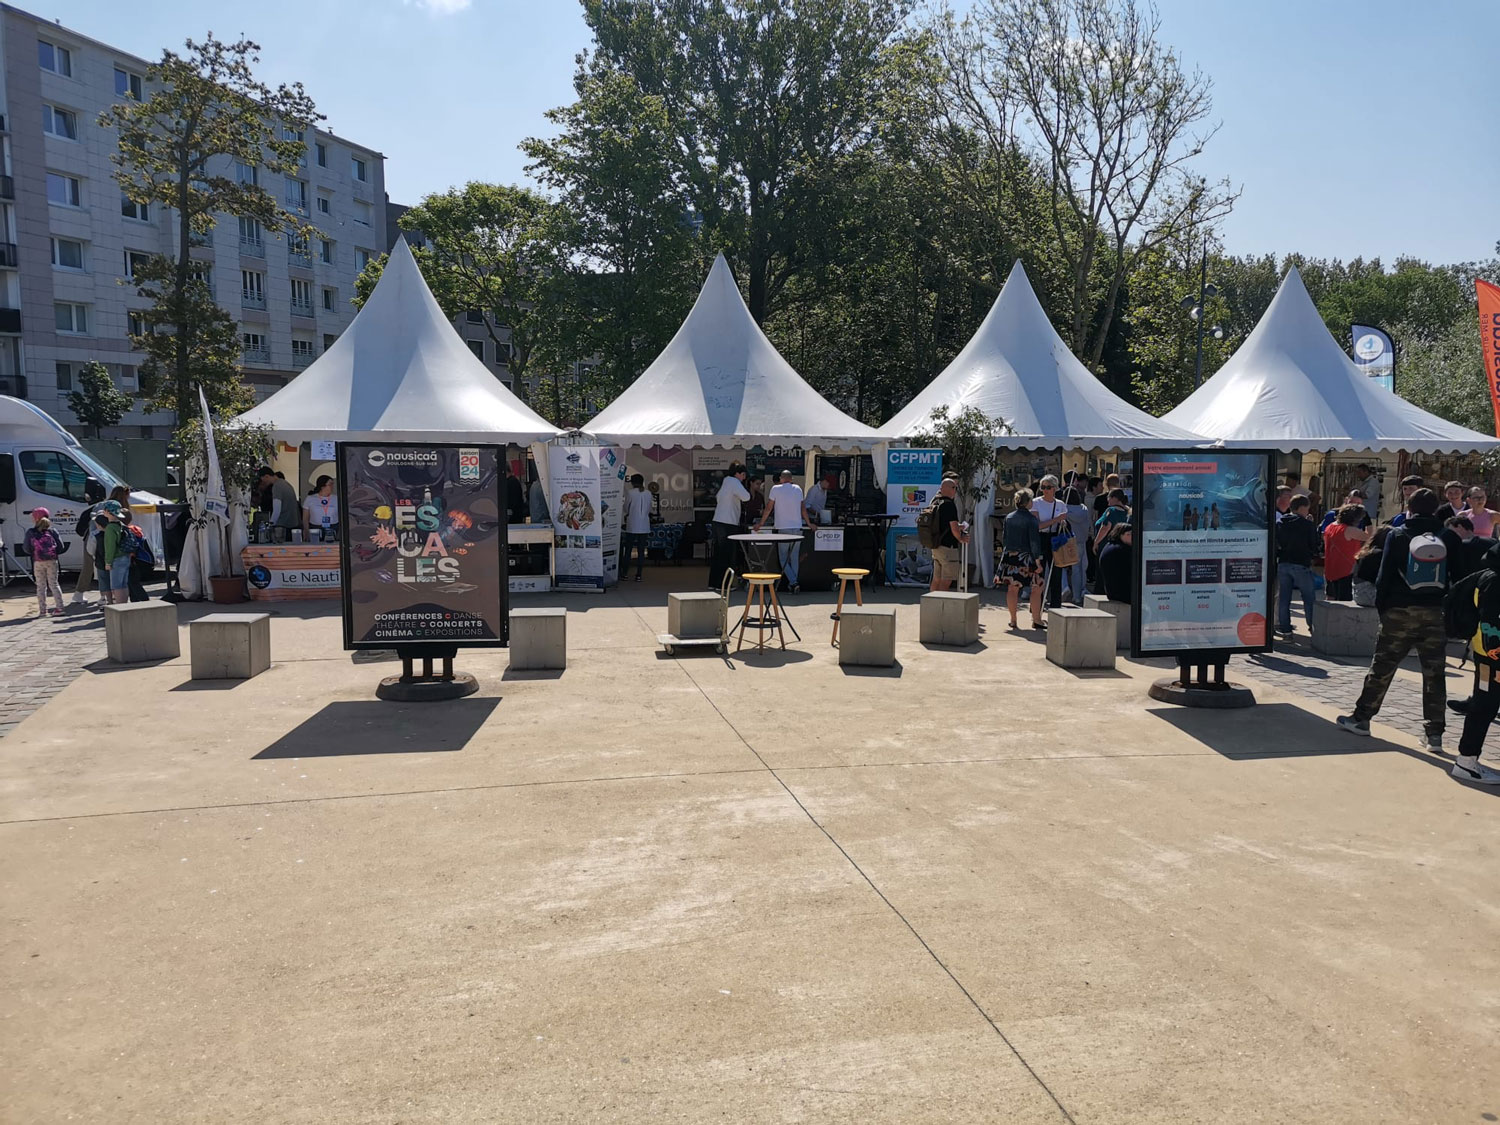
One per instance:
(846, 575)
(758, 587)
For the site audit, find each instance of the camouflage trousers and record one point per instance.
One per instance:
(1403, 628)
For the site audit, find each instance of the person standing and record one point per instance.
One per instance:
(45, 547)
(787, 509)
(285, 512)
(1479, 512)
(946, 565)
(636, 531)
(117, 555)
(1482, 589)
(1369, 485)
(1355, 497)
(93, 491)
(1081, 525)
(1020, 568)
(754, 507)
(817, 496)
(1342, 541)
(1296, 544)
(727, 504)
(1409, 593)
(1454, 494)
(1051, 514)
(1409, 485)
(536, 497)
(321, 508)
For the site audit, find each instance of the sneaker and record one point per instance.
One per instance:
(1469, 769)
(1353, 725)
(1433, 743)
(637, 577)
(76, 599)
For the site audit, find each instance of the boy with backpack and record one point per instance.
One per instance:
(1409, 593)
(45, 547)
(1473, 613)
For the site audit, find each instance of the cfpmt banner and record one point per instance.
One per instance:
(1375, 354)
(1489, 340)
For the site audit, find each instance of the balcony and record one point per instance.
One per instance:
(299, 260)
(250, 300)
(7, 187)
(10, 320)
(7, 255)
(256, 355)
(301, 360)
(302, 308)
(252, 247)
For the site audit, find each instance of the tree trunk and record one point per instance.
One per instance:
(181, 343)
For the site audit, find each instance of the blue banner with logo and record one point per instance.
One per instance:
(912, 477)
(1374, 354)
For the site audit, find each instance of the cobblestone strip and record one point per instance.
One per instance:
(39, 656)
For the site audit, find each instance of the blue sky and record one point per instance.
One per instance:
(1354, 127)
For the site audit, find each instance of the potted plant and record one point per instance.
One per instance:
(241, 450)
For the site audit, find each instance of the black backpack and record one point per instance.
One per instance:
(1461, 608)
(929, 534)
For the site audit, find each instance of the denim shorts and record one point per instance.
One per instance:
(119, 573)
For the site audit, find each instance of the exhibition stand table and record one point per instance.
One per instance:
(279, 572)
(760, 548)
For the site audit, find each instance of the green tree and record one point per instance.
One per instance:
(98, 402)
(968, 438)
(178, 151)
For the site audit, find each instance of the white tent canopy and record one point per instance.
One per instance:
(721, 383)
(1017, 369)
(1291, 387)
(399, 373)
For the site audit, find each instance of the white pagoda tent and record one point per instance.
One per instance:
(721, 383)
(1290, 387)
(399, 373)
(1017, 369)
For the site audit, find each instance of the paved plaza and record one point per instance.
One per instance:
(975, 887)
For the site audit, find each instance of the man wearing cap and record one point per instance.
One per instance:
(285, 511)
(788, 507)
(732, 493)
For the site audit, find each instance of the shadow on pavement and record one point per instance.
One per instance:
(373, 726)
(891, 673)
(106, 665)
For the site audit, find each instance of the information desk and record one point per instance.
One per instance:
(821, 551)
(279, 572)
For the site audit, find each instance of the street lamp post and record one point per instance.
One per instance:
(1196, 311)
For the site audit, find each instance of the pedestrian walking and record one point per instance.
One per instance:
(1296, 544)
(1474, 609)
(45, 547)
(1409, 593)
(1020, 568)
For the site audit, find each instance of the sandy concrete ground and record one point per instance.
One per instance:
(975, 888)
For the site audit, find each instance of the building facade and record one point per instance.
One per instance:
(69, 238)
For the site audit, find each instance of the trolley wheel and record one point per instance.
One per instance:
(669, 650)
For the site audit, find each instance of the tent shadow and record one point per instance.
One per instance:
(370, 726)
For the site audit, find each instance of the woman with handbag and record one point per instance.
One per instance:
(1079, 525)
(1020, 567)
(1052, 520)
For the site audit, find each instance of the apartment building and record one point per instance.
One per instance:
(69, 239)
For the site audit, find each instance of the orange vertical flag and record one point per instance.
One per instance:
(1489, 340)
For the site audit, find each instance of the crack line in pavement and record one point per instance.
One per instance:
(969, 996)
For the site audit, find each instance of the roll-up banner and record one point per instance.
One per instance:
(1489, 340)
(424, 545)
(1374, 354)
(912, 477)
(577, 517)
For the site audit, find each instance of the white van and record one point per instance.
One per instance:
(44, 466)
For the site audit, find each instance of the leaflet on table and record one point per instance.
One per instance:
(1204, 551)
(577, 517)
(611, 501)
(912, 477)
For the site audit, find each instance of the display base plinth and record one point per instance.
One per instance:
(1223, 697)
(398, 689)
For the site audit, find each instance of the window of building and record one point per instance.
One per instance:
(474, 316)
(301, 295)
(296, 194)
(253, 289)
(502, 354)
(325, 251)
(133, 210)
(362, 213)
(253, 344)
(65, 191)
(201, 271)
(290, 134)
(322, 151)
(128, 85)
(325, 205)
(477, 347)
(72, 319)
(67, 254)
(302, 349)
(329, 339)
(60, 122)
(59, 60)
(64, 376)
(250, 231)
(330, 298)
(246, 173)
(125, 378)
(361, 259)
(359, 169)
(135, 324)
(134, 259)
(54, 474)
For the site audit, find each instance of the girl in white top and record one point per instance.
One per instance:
(321, 508)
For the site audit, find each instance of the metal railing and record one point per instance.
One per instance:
(8, 255)
(253, 247)
(301, 360)
(256, 355)
(302, 308)
(250, 300)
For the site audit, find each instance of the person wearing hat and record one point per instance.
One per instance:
(112, 553)
(285, 511)
(788, 507)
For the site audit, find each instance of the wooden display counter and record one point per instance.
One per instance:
(277, 572)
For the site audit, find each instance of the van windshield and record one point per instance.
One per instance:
(104, 476)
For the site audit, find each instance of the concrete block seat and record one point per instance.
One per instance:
(135, 632)
(1121, 613)
(867, 635)
(538, 639)
(1080, 638)
(1345, 628)
(694, 614)
(230, 646)
(949, 618)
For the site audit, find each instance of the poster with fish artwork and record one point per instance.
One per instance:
(577, 517)
(424, 545)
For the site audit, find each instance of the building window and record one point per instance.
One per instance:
(322, 151)
(359, 169)
(330, 299)
(477, 347)
(133, 210)
(362, 212)
(252, 289)
(67, 254)
(325, 205)
(502, 354)
(474, 316)
(302, 352)
(302, 296)
(128, 85)
(253, 347)
(72, 319)
(202, 272)
(329, 339)
(65, 191)
(250, 231)
(60, 122)
(290, 134)
(59, 60)
(64, 376)
(134, 260)
(246, 173)
(361, 259)
(296, 194)
(135, 324)
(325, 251)
(125, 378)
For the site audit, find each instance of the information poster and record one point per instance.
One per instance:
(669, 478)
(1203, 552)
(611, 499)
(912, 477)
(577, 517)
(424, 545)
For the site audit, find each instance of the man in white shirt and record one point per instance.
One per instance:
(817, 497)
(788, 507)
(636, 532)
(732, 493)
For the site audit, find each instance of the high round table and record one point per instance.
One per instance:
(760, 549)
